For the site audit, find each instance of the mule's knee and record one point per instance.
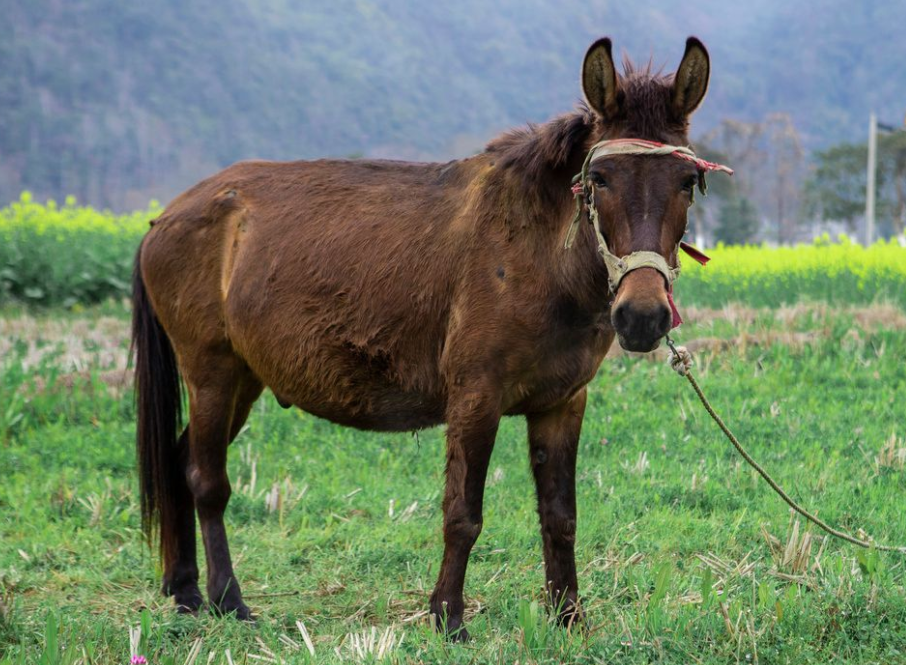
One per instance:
(559, 528)
(211, 493)
(462, 531)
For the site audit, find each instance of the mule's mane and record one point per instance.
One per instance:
(535, 150)
(645, 112)
(646, 104)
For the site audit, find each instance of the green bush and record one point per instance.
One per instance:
(63, 255)
(70, 254)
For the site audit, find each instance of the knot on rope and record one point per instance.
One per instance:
(680, 360)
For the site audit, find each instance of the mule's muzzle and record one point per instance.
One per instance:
(640, 326)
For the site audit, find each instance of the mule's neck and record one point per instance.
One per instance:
(538, 164)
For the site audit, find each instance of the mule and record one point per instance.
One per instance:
(395, 296)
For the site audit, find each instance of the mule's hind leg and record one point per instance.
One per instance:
(181, 573)
(181, 566)
(221, 393)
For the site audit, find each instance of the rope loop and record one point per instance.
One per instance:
(680, 360)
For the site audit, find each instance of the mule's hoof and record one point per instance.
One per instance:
(458, 636)
(573, 618)
(573, 621)
(188, 600)
(238, 611)
(452, 628)
(189, 605)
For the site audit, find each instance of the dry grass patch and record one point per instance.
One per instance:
(74, 344)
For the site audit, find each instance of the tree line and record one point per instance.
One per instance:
(781, 195)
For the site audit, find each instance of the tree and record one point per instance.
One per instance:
(737, 223)
(836, 188)
(786, 161)
(769, 161)
(893, 161)
(719, 189)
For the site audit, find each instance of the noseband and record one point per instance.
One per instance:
(619, 266)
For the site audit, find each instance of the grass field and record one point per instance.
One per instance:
(684, 555)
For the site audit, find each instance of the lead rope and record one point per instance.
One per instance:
(681, 363)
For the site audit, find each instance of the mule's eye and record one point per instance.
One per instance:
(598, 180)
(689, 183)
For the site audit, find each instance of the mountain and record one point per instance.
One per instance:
(118, 102)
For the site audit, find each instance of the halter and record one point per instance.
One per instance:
(618, 267)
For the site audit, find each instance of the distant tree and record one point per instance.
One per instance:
(703, 214)
(737, 223)
(742, 145)
(786, 162)
(893, 150)
(836, 188)
(770, 167)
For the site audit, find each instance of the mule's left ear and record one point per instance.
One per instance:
(691, 80)
(600, 83)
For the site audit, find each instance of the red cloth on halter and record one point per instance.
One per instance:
(677, 319)
(694, 253)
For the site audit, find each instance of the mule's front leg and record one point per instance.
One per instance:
(472, 426)
(553, 444)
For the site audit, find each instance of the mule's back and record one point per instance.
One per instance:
(332, 280)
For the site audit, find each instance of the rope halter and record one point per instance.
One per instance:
(619, 266)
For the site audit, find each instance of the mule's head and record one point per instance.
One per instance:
(642, 200)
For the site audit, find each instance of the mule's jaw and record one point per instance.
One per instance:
(638, 346)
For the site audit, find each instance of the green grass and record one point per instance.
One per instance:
(673, 564)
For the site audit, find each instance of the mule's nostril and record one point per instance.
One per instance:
(640, 329)
(666, 321)
(621, 318)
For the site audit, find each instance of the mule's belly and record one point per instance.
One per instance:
(323, 373)
(370, 406)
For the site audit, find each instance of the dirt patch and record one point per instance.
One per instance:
(870, 318)
(80, 346)
(773, 326)
(75, 345)
(739, 343)
(114, 381)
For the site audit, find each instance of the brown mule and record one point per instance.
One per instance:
(395, 296)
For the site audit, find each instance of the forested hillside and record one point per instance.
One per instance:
(117, 102)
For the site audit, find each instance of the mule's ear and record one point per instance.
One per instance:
(691, 81)
(599, 79)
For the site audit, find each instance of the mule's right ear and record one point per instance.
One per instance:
(691, 81)
(599, 79)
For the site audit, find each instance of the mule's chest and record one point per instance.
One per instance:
(561, 363)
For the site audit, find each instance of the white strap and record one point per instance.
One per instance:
(618, 267)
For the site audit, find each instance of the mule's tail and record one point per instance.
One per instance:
(159, 414)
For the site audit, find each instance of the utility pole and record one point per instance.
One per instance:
(870, 185)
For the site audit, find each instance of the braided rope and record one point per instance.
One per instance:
(681, 362)
(643, 147)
